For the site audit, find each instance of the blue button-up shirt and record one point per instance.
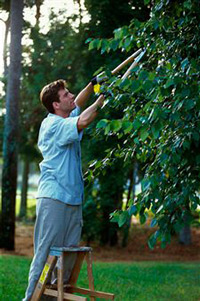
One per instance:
(61, 175)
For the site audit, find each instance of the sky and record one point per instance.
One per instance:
(29, 14)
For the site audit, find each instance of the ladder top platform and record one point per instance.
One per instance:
(56, 251)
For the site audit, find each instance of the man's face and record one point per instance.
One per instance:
(66, 103)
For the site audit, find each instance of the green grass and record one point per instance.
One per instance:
(136, 281)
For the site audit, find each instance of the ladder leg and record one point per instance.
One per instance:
(60, 279)
(77, 267)
(50, 263)
(89, 271)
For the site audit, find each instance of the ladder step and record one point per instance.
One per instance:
(92, 293)
(56, 251)
(67, 296)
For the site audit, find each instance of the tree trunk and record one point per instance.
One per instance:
(24, 189)
(38, 4)
(109, 230)
(10, 139)
(80, 13)
(185, 235)
(5, 46)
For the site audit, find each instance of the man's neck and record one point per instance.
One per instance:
(62, 114)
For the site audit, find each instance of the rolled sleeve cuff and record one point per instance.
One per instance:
(77, 134)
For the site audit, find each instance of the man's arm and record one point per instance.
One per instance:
(88, 115)
(83, 96)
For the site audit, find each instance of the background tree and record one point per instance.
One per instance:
(27, 142)
(11, 129)
(5, 6)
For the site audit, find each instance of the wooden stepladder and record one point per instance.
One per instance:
(66, 292)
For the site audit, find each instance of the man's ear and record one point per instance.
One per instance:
(56, 105)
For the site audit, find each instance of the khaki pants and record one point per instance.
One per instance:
(57, 224)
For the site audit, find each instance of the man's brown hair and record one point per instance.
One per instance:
(49, 94)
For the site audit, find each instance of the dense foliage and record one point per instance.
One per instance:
(160, 124)
(151, 123)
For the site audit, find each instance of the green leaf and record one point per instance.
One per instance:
(195, 135)
(168, 66)
(122, 218)
(151, 76)
(93, 44)
(156, 130)
(153, 222)
(127, 126)
(114, 216)
(145, 184)
(165, 239)
(143, 75)
(98, 71)
(187, 4)
(144, 133)
(118, 33)
(115, 125)
(102, 123)
(133, 210)
(143, 219)
(189, 103)
(88, 40)
(107, 129)
(135, 86)
(99, 44)
(114, 44)
(170, 82)
(136, 124)
(124, 84)
(127, 42)
(136, 140)
(184, 63)
(152, 241)
(104, 46)
(186, 145)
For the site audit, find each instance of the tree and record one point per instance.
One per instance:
(52, 49)
(11, 129)
(27, 141)
(160, 124)
(105, 16)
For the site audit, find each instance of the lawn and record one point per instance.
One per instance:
(141, 281)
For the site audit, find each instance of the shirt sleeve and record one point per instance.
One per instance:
(67, 131)
(75, 112)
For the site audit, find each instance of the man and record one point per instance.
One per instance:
(60, 190)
